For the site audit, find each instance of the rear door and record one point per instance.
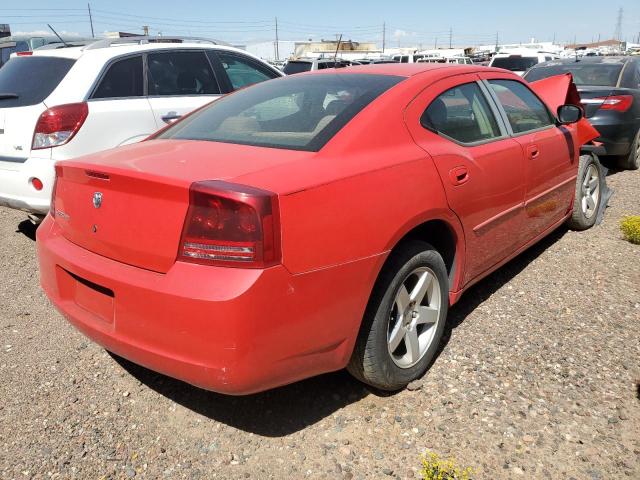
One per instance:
(481, 167)
(178, 82)
(119, 112)
(550, 155)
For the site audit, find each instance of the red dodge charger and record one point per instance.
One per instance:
(315, 222)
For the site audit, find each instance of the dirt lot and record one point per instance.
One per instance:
(538, 379)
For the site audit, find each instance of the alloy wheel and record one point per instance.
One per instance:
(414, 317)
(590, 191)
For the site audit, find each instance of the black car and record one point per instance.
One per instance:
(609, 88)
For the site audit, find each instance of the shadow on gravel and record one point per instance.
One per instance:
(293, 407)
(274, 413)
(28, 229)
(481, 291)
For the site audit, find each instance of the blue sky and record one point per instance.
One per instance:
(410, 22)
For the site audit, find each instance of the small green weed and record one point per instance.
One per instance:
(436, 468)
(630, 227)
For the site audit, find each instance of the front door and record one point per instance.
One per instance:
(549, 151)
(481, 167)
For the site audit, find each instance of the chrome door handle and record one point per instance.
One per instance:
(170, 117)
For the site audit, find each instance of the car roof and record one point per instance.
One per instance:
(119, 49)
(410, 69)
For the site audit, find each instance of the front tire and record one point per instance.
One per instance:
(588, 194)
(404, 320)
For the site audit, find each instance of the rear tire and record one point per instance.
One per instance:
(632, 161)
(404, 320)
(588, 195)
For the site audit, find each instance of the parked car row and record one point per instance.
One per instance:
(357, 203)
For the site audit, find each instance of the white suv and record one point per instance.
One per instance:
(62, 103)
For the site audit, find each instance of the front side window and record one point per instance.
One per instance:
(524, 110)
(180, 73)
(243, 72)
(122, 80)
(463, 114)
(297, 112)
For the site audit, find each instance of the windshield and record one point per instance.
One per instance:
(594, 74)
(296, 67)
(515, 63)
(29, 80)
(298, 113)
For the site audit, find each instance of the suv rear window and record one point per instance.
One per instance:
(515, 63)
(296, 67)
(594, 74)
(297, 113)
(28, 81)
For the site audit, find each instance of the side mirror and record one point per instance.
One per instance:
(569, 114)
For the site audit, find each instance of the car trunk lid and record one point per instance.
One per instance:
(129, 204)
(16, 133)
(592, 98)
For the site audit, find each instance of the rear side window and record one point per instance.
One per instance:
(463, 114)
(524, 110)
(515, 63)
(243, 71)
(122, 80)
(296, 67)
(29, 80)
(297, 112)
(180, 73)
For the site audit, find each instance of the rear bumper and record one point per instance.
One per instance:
(615, 137)
(234, 331)
(16, 190)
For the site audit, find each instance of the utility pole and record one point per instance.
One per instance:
(384, 36)
(450, 37)
(277, 42)
(497, 41)
(90, 20)
(618, 32)
(335, 55)
(435, 44)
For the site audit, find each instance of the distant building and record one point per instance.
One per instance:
(5, 30)
(325, 48)
(613, 44)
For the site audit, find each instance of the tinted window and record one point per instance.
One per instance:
(296, 67)
(123, 79)
(298, 112)
(32, 79)
(180, 73)
(515, 64)
(463, 114)
(242, 71)
(595, 74)
(524, 110)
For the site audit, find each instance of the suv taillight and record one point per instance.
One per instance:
(231, 225)
(57, 125)
(619, 103)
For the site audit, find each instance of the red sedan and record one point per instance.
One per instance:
(315, 222)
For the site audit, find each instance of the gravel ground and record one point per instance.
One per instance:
(538, 379)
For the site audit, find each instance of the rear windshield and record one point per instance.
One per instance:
(298, 113)
(296, 67)
(29, 80)
(595, 74)
(515, 64)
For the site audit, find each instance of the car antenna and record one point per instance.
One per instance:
(335, 55)
(59, 37)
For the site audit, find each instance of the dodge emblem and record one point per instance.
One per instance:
(97, 199)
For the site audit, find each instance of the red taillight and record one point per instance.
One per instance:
(231, 225)
(24, 54)
(57, 125)
(619, 103)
